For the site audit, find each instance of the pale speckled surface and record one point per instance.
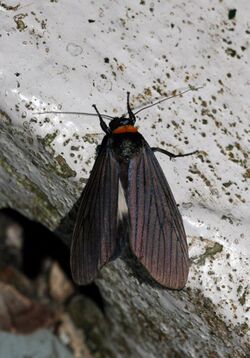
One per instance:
(53, 57)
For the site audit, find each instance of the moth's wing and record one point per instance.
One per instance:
(157, 235)
(95, 232)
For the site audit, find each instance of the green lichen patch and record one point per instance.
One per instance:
(40, 205)
(90, 138)
(232, 152)
(194, 170)
(210, 252)
(242, 330)
(75, 148)
(60, 165)
(4, 118)
(9, 7)
(20, 25)
(242, 298)
(206, 309)
(228, 218)
(227, 184)
(247, 174)
(63, 169)
(49, 138)
(147, 91)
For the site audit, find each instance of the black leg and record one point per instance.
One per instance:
(131, 114)
(171, 155)
(103, 125)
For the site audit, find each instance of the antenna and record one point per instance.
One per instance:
(76, 113)
(191, 88)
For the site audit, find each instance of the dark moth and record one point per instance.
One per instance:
(156, 232)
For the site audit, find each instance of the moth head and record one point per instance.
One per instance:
(120, 122)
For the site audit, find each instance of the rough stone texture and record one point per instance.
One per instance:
(37, 345)
(60, 55)
(158, 322)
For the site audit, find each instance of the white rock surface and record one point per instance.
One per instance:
(64, 55)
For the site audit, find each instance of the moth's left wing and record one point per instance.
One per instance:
(94, 238)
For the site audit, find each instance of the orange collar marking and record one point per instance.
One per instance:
(125, 129)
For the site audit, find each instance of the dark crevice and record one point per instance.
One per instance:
(39, 244)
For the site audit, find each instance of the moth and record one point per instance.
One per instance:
(156, 232)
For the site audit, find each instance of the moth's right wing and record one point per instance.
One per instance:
(157, 235)
(95, 233)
